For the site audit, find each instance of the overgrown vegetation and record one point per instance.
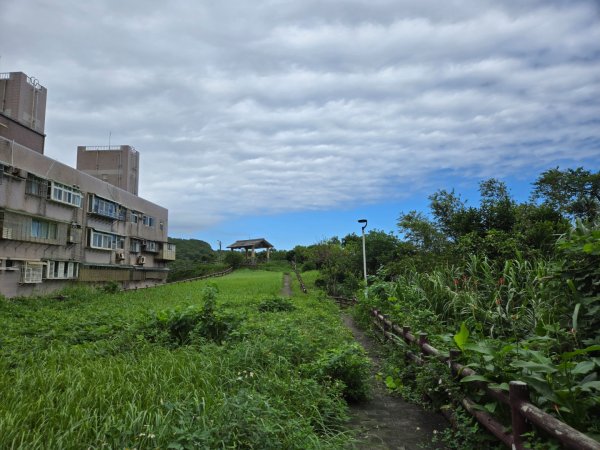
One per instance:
(515, 286)
(195, 365)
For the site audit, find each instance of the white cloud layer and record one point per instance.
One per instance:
(274, 106)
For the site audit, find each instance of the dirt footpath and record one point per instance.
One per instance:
(387, 422)
(286, 290)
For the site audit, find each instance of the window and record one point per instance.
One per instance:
(36, 186)
(105, 241)
(43, 229)
(60, 270)
(148, 220)
(106, 208)
(151, 246)
(65, 194)
(31, 272)
(135, 246)
(134, 216)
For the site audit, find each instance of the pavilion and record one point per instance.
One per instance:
(252, 245)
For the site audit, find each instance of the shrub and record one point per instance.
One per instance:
(276, 304)
(347, 364)
(182, 326)
(234, 259)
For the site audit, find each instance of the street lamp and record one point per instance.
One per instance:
(364, 222)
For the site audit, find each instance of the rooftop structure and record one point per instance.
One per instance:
(117, 165)
(22, 110)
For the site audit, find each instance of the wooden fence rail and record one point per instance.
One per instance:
(187, 280)
(523, 413)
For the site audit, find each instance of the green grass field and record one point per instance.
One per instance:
(176, 367)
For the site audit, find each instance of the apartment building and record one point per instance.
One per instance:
(59, 225)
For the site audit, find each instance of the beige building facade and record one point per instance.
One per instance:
(60, 225)
(117, 165)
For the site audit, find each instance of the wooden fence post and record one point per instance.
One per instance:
(385, 327)
(405, 332)
(454, 355)
(518, 394)
(422, 340)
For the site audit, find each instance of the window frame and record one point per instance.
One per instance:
(62, 270)
(100, 240)
(106, 208)
(64, 194)
(43, 229)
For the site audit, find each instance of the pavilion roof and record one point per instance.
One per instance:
(251, 243)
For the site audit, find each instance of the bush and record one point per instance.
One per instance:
(347, 364)
(276, 304)
(182, 326)
(234, 259)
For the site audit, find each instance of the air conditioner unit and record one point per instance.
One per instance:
(141, 259)
(119, 256)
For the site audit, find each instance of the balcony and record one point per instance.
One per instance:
(167, 252)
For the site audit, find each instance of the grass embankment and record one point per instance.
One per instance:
(177, 367)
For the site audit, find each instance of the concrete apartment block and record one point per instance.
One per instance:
(117, 165)
(22, 110)
(60, 225)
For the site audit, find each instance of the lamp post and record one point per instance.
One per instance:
(364, 222)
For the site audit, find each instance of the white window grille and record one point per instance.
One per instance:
(61, 270)
(106, 208)
(65, 194)
(31, 272)
(105, 241)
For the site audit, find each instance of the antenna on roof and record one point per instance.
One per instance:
(109, 135)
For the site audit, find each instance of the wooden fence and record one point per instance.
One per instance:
(295, 269)
(203, 277)
(523, 413)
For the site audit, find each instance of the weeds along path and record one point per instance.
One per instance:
(286, 290)
(386, 422)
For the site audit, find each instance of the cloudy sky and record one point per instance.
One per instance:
(292, 119)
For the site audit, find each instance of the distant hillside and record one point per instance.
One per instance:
(193, 250)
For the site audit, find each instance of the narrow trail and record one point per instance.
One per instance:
(387, 422)
(286, 290)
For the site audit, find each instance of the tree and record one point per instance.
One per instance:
(446, 207)
(574, 192)
(497, 208)
(421, 232)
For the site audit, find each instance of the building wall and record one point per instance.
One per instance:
(23, 100)
(15, 131)
(117, 165)
(37, 230)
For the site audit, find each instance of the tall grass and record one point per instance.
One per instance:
(82, 372)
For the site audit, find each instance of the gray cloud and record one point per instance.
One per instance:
(276, 106)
